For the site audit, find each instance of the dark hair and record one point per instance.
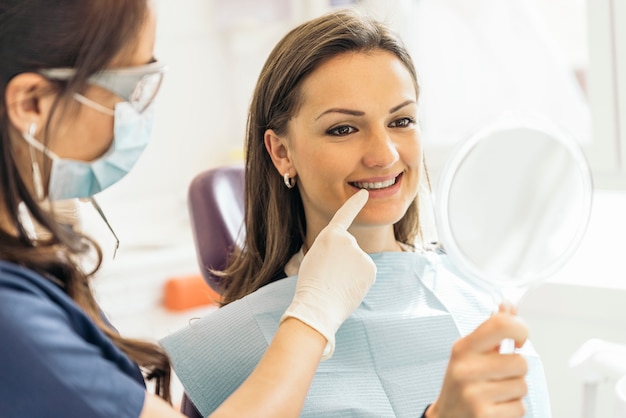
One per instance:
(87, 36)
(274, 216)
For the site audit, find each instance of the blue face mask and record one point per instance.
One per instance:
(81, 179)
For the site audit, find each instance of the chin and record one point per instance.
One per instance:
(380, 218)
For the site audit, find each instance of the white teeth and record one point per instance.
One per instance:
(376, 185)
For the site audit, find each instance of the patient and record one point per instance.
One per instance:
(335, 111)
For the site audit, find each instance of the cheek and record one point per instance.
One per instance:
(322, 173)
(413, 157)
(97, 140)
(325, 167)
(85, 137)
(414, 153)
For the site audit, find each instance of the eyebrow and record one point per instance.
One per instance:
(401, 105)
(360, 112)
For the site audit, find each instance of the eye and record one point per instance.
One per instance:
(402, 123)
(342, 130)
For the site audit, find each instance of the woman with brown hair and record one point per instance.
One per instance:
(77, 80)
(335, 112)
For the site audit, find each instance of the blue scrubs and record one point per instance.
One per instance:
(54, 361)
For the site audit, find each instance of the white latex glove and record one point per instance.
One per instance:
(334, 276)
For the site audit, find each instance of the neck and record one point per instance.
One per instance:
(376, 239)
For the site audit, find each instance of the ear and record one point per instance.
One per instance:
(29, 98)
(278, 149)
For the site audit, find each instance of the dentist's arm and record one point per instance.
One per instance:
(276, 388)
(334, 276)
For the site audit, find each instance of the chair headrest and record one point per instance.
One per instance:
(216, 208)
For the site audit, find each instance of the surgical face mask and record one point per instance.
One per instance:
(82, 179)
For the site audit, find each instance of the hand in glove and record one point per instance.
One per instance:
(334, 276)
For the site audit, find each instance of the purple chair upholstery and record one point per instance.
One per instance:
(188, 409)
(216, 209)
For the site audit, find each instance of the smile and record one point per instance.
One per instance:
(375, 185)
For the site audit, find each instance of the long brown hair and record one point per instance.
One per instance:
(274, 216)
(86, 36)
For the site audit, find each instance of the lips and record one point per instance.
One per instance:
(375, 185)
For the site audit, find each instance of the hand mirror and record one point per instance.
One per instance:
(513, 203)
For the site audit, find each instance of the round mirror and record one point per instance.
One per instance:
(513, 203)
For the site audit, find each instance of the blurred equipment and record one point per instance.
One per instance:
(186, 292)
(595, 362)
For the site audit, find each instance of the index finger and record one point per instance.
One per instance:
(345, 214)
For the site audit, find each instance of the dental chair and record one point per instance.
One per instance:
(216, 210)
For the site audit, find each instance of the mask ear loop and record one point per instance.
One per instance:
(36, 172)
(96, 106)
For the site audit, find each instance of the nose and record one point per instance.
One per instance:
(381, 151)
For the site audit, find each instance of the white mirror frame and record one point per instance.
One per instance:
(451, 167)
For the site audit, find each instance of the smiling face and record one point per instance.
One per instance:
(356, 128)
